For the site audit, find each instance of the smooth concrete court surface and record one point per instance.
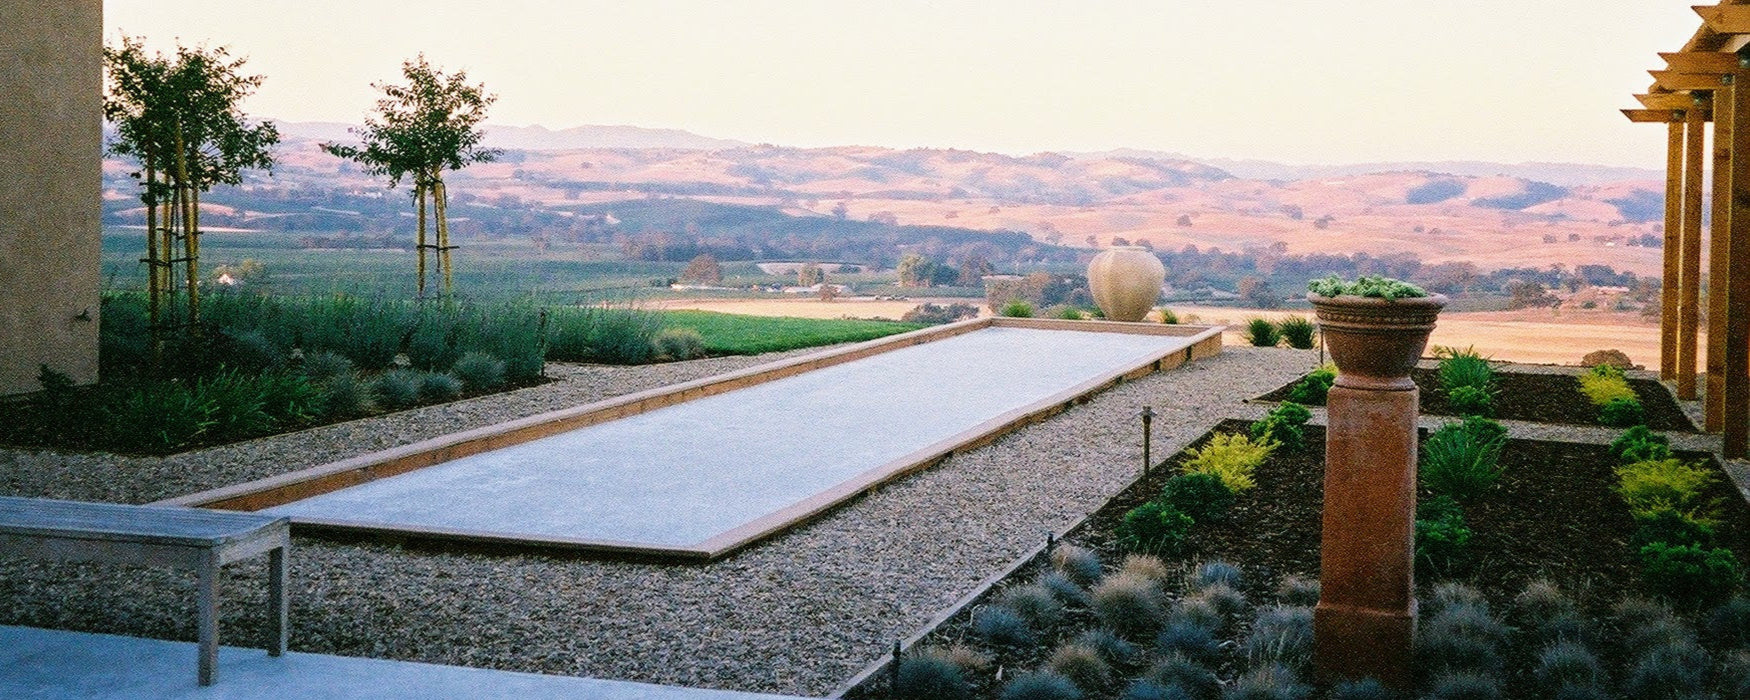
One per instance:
(38, 663)
(677, 476)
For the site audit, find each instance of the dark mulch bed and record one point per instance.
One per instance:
(1542, 398)
(1553, 515)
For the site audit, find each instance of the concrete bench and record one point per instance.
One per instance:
(188, 538)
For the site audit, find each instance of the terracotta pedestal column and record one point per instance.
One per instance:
(1365, 621)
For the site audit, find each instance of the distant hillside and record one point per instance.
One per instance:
(1564, 174)
(540, 138)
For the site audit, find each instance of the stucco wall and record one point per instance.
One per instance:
(51, 142)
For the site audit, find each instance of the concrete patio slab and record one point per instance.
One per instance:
(40, 663)
(680, 476)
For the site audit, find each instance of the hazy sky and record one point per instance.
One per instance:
(1288, 80)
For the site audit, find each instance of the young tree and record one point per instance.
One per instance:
(422, 128)
(809, 275)
(703, 269)
(179, 117)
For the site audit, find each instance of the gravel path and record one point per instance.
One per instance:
(799, 613)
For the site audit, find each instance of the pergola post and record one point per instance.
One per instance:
(1714, 400)
(1735, 408)
(1688, 279)
(1673, 248)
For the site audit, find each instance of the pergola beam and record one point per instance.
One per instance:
(1725, 19)
(1701, 62)
(1678, 82)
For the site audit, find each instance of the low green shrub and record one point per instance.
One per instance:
(1260, 332)
(1068, 313)
(1202, 496)
(935, 315)
(1442, 539)
(1315, 387)
(1231, 457)
(1168, 317)
(1470, 401)
(1297, 331)
(678, 344)
(1622, 413)
(1671, 527)
(1666, 484)
(1016, 309)
(1640, 444)
(1602, 387)
(1462, 459)
(1283, 426)
(480, 372)
(1155, 528)
(1688, 573)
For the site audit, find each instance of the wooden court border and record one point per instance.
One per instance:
(294, 486)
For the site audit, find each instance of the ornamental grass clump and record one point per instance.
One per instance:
(1260, 332)
(1177, 671)
(1283, 425)
(1079, 565)
(1461, 638)
(930, 677)
(1281, 634)
(1143, 566)
(437, 387)
(1315, 387)
(1016, 309)
(1188, 638)
(1168, 317)
(1728, 626)
(1464, 685)
(1567, 664)
(1129, 606)
(1297, 332)
(1068, 592)
(480, 372)
(1669, 671)
(676, 344)
(1110, 646)
(397, 388)
(1144, 689)
(1035, 603)
(1462, 459)
(1083, 666)
(1364, 689)
(1298, 590)
(1216, 573)
(1001, 627)
(1365, 286)
(1468, 381)
(1041, 685)
(1268, 682)
(1231, 457)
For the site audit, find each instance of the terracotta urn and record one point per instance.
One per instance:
(1126, 282)
(1376, 342)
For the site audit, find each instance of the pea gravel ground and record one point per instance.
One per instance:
(797, 614)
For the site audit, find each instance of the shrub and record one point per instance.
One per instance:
(1016, 309)
(1267, 682)
(1364, 689)
(288, 399)
(1459, 462)
(1128, 606)
(1464, 685)
(1668, 671)
(1298, 590)
(1041, 685)
(439, 386)
(1315, 387)
(1192, 640)
(935, 315)
(1155, 528)
(1462, 368)
(1483, 429)
(1202, 496)
(397, 389)
(1728, 626)
(1471, 401)
(1002, 627)
(678, 344)
(1214, 573)
(158, 417)
(1640, 444)
(929, 677)
(1622, 413)
(1365, 286)
(1281, 634)
(479, 371)
(1231, 457)
(1080, 565)
(1687, 573)
(1442, 540)
(1035, 603)
(1297, 331)
(1671, 527)
(1168, 317)
(1667, 484)
(1260, 332)
(1567, 663)
(1602, 388)
(1175, 670)
(1283, 426)
(1082, 665)
(615, 335)
(1068, 313)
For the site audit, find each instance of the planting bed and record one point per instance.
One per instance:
(1541, 398)
(1553, 515)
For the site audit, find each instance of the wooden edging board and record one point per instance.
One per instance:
(286, 488)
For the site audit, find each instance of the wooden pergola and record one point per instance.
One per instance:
(1700, 85)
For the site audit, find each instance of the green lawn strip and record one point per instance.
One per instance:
(736, 334)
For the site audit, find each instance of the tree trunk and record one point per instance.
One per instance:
(186, 200)
(441, 201)
(419, 195)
